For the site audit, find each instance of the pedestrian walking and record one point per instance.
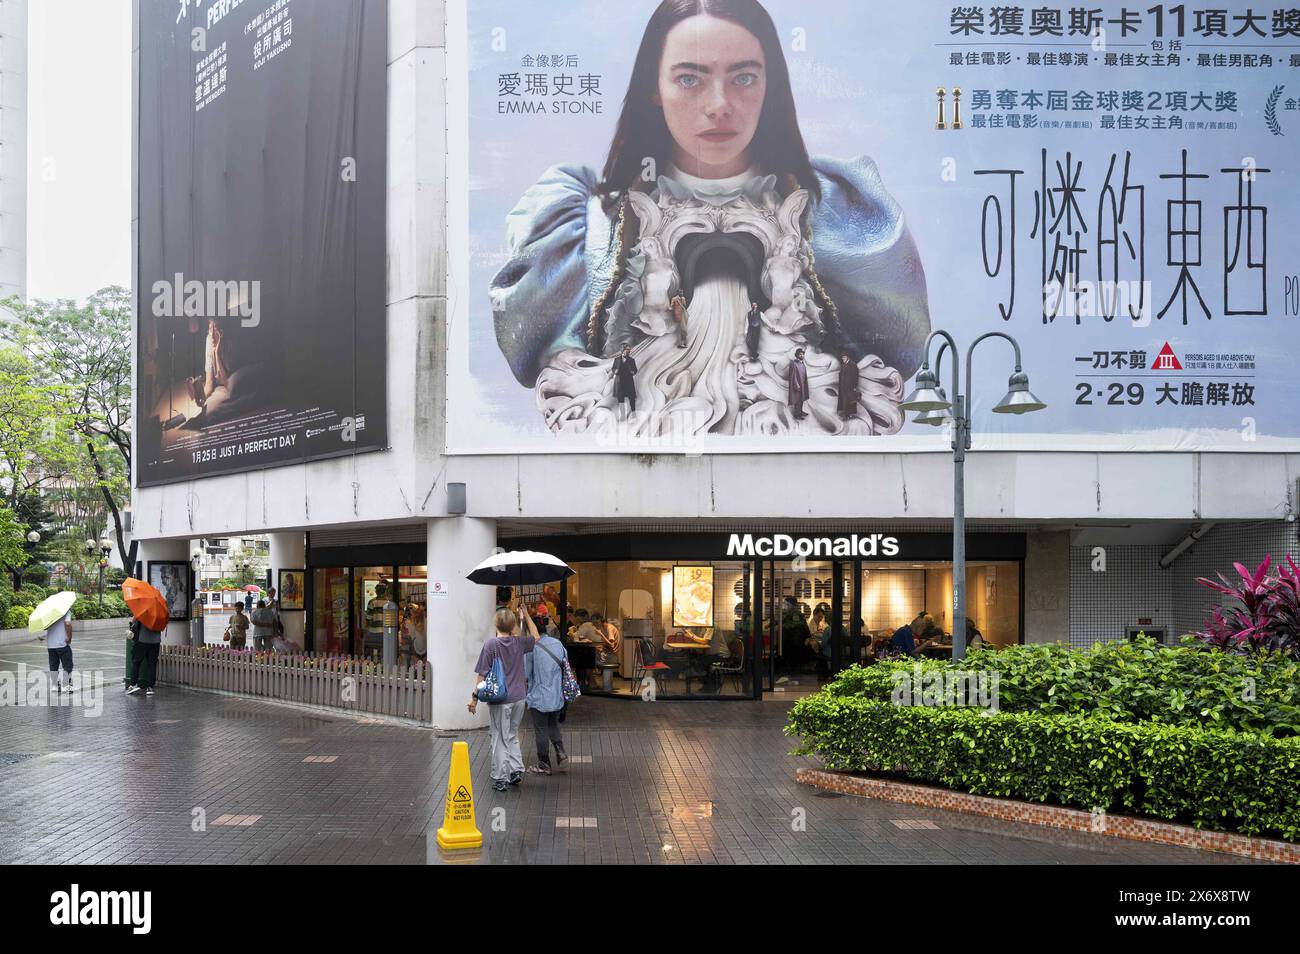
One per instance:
(237, 627)
(263, 620)
(544, 671)
(248, 602)
(508, 647)
(58, 646)
(147, 641)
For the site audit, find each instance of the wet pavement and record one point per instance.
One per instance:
(192, 777)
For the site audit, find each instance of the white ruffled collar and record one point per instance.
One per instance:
(695, 183)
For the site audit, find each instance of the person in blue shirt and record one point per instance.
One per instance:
(544, 672)
(905, 637)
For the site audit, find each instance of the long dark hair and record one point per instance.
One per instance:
(642, 131)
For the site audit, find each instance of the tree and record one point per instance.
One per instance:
(87, 351)
(13, 536)
(37, 448)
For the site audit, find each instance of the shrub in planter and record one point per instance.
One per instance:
(86, 608)
(17, 616)
(1211, 778)
(1138, 681)
(114, 606)
(31, 595)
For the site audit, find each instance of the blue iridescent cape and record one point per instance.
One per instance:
(562, 257)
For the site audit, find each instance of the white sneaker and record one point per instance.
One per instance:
(67, 687)
(132, 690)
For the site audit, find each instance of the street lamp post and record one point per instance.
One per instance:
(100, 550)
(930, 400)
(33, 537)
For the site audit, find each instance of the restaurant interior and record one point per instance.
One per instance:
(683, 629)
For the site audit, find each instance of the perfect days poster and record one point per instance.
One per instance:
(730, 225)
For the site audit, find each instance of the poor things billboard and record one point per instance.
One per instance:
(724, 225)
(260, 286)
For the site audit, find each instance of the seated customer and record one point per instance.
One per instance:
(611, 640)
(904, 641)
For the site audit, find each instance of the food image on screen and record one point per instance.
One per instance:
(692, 596)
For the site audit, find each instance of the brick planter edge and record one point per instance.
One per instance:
(1053, 816)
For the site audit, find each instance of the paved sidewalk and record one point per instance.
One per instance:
(651, 782)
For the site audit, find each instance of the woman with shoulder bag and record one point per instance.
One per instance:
(545, 671)
(500, 668)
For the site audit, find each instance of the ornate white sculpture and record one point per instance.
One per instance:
(713, 385)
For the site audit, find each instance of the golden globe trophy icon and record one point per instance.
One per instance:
(956, 107)
(940, 124)
(459, 829)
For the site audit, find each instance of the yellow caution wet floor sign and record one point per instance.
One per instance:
(458, 828)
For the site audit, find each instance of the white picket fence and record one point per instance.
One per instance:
(352, 685)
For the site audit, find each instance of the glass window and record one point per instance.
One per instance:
(681, 626)
(330, 610)
(892, 595)
(412, 585)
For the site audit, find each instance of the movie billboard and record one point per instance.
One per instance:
(261, 266)
(733, 225)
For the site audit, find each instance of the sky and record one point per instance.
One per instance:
(78, 147)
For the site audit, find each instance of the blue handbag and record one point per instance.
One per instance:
(492, 689)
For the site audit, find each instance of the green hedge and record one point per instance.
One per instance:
(1128, 682)
(16, 617)
(1210, 778)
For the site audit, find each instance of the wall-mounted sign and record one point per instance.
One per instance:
(1113, 186)
(692, 596)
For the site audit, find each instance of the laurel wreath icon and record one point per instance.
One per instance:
(1270, 111)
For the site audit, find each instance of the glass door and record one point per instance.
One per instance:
(372, 588)
(800, 605)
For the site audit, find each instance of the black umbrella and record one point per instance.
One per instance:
(519, 568)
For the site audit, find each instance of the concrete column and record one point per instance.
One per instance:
(1047, 587)
(459, 622)
(178, 634)
(289, 552)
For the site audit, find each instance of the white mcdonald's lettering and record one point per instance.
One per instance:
(784, 545)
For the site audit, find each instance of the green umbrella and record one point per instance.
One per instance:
(50, 611)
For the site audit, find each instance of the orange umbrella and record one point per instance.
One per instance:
(145, 603)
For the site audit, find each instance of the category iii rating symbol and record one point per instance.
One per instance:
(1166, 360)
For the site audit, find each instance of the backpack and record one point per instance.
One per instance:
(569, 687)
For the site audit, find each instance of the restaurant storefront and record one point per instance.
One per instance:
(347, 588)
(680, 606)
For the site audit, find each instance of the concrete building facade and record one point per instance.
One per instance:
(13, 149)
(1043, 517)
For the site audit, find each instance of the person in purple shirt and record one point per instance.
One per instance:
(509, 647)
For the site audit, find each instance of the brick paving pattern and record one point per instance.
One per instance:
(684, 782)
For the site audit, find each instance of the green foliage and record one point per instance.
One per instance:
(31, 594)
(1210, 778)
(12, 539)
(87, 607)
(16, 617)
(75, 418)
(1133, 682)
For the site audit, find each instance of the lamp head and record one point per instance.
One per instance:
(935, 418)
(927, 395)
(1018, 399)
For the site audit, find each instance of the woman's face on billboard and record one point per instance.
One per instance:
(712, 81)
